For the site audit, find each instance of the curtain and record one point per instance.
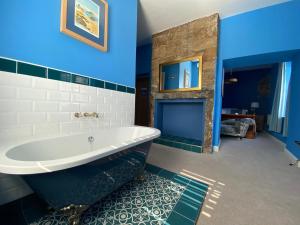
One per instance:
(275, 122)
(286, 118)
(285, 81)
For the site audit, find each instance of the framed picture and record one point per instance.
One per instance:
(86, 20)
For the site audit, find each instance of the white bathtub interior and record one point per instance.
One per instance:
(70, 146)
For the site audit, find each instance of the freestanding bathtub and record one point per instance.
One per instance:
(74, 172)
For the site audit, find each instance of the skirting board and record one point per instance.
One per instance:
(292, 157)
(216, 148)
(289, 154)
(275, 139)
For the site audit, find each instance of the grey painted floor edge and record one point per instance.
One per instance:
(250, 181)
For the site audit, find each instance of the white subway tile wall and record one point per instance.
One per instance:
(33, 107)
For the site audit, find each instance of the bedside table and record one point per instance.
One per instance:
(260, 122)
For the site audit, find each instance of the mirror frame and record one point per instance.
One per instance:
(181, 89)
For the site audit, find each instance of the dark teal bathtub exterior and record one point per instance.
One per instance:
(87, 184)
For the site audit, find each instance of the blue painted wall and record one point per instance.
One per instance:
(179, 120)
(294, 118)
(30, 31)
(262, 36)
(270, 29)
(143, 59)
(177, 117)
(248, 84)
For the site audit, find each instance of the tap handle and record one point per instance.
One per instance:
(77, 115)
(86, 114)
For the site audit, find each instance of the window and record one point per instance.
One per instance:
(284, 89)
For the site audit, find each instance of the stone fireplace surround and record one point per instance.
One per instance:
(199, 37)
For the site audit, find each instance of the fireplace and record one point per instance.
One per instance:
(181, 122)
(193, 39)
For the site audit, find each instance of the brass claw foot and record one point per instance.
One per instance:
(74, 212)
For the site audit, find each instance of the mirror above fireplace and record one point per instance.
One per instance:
(181, 75)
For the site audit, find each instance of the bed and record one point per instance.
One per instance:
(238, 125)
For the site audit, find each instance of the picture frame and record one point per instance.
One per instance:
(86, 21)
(187, 76)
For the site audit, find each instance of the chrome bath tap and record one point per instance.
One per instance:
(92, 114)
(86, 115)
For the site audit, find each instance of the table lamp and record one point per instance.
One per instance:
(254, 106)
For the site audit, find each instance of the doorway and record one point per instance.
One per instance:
(253, 98)
(142, 117)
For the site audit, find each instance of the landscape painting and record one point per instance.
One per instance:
(87, 15)
(87, 21)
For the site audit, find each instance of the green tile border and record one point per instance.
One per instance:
(121, 88)
(110, 86)
(179, 144)
(152, 168)
(32, 70)
(166, 174)
(189, 205)
(77, 79)
(96, 83)
(23, 68)
(130, 90)
(59, 75)
(185, 181)
(177, 219)
(8, 65)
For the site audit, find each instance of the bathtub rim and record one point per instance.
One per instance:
(19, 167)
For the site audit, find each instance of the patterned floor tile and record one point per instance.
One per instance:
(150, 202)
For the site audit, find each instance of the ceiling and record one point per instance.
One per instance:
(158, 15)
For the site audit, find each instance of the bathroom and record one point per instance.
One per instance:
(110, 113)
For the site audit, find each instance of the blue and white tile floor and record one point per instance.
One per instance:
(162, 198)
